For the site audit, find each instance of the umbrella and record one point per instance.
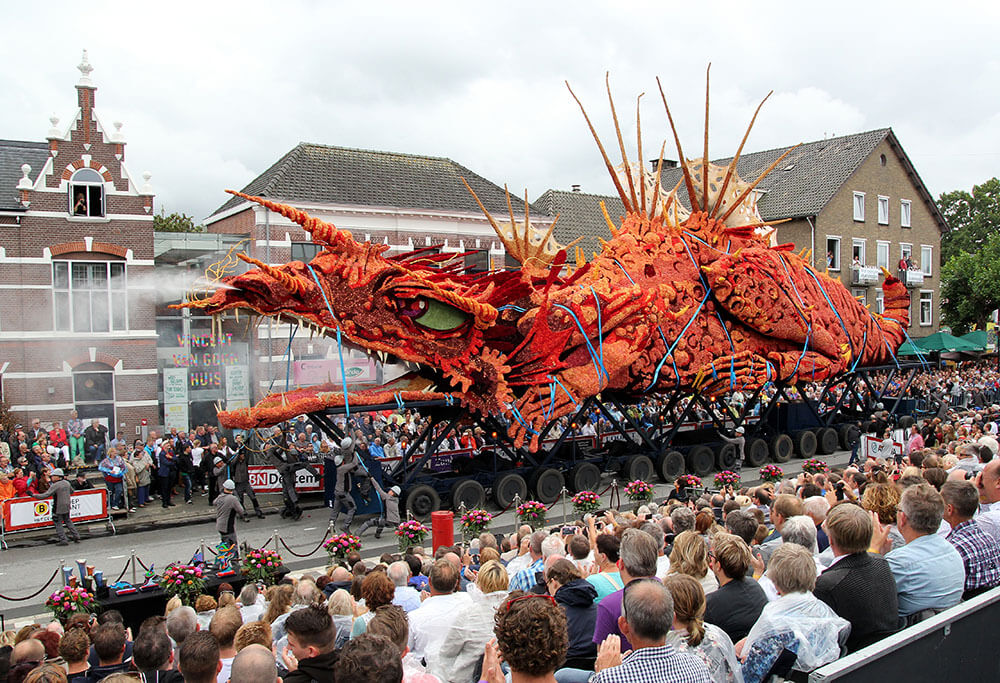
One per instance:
(977, 339)
(942, 341)
(908, 348)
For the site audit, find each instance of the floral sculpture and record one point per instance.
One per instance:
(186, 581)
(586, 501)
(340, 546)
(771, 473)
(262, 565)
(532, 513)
(70, 600)
(411, 533)
(690, 293)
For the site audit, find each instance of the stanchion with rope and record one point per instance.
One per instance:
(38, 592)
(133, 566)
(311, 552)
(124, 569)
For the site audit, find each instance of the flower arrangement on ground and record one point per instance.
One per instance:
(814, 466)
(532, 513)
(340, 546)
(475, 522)
(727, 478)
(771, 473)
(411, 533)
(586, 501)
(639, 491)
(262, 565)
(186, 581)
(68, 601)
(692, 480)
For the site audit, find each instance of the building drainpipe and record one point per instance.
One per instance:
(812, 239)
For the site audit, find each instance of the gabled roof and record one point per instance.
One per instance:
(325, 174)
(14, 154)
(580, 216)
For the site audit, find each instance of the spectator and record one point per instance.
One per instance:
(525, 578)
(576, 597)
(858, 586)
(109, 643)
(647, 615)
(48, 672)
(530, 637)
(377, 589)
(799, 530)
(390, 621)
(95, 438)
(737, 604)
(743, 524)
(797, 621)
(429, 624)
(816, 508)
(153, 655)
(340, 605)
(690, 633)
(251, 603)
(73, 648)
(980, 554)
(365, 660)
(251, 633)
(310, 655)
(26, 655)
(181, 623)
(279, 602)
(405, 595)
(224, 625)
(205, 606)
(112, 467)
(637, 561)
(473, 625)
(254, 664)
(199, 660)
(682, 519)
(988, 484)
(928, 570)
(690, 556)
(883, 499)
(784, 506)
(608, 579)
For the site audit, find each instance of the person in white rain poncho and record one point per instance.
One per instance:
(797, 621)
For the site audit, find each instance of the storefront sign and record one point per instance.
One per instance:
(176, 415)
(27, 513)
(237, 384)
(875, 448)
(175, 389)
(265, 479)
(312, 372)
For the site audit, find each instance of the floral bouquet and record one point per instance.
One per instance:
(68, 601)
(586, 501)
(692, 480)
(340, 546)
(262, 565)
(475, 522)
(531, 512)
(727, 478)
(771, 473)
(186, 581)
(411, 533)
(814, 466)
(639, 491)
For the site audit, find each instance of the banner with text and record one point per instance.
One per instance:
(20, 514)
(878, 448)
(265, 479)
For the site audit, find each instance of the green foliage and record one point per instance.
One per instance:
(970, 284)
(971, 217)
(175, 222)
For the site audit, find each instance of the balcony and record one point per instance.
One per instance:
(864, 275)
(912, 278)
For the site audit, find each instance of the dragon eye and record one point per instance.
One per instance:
(433, 314)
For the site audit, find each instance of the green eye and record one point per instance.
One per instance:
(440, 316)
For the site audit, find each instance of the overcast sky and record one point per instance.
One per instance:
(212, 93)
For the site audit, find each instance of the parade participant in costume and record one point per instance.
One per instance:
(227, 509)
(60, 492)
(288, 464)
(240, 474)
(389, 512)
(346, 464)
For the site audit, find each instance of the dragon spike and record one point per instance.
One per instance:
(680, 152)
(736, 158)
(607, 218)
(527, 222)
(621, 144)
(289, 282)
(704, 158)
(322, 233)
(604, 154)
(748, 190)
(513, 221)
(656, 185)
(642, 172)
(489, 217)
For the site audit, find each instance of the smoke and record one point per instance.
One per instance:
(164, 286)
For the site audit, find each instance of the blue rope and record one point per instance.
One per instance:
(340, 347)
(556, 379)
(864, 343)
(623, 270)
(598, 362)
(288, 356)
(517, 416)
(511, 306)
(679, 337)
(399, 400)
(600, 329)
(832, 308)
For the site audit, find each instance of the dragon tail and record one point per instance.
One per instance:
(889, 329)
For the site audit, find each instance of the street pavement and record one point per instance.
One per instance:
(160, 537)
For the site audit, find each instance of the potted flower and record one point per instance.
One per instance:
(69, 600)
(692, 480)
(814, 466)
(186, 581)
(727, 478)
(771, 473)
(262, 565)
(475, 522)
(532, 513)
(585, 501)
(639, 491)
(411, 533)
(340, 546)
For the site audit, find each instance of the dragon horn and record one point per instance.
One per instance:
(642, 172)
(289, 282)
(321, 232)
(736, 158)
(496, 228)
(656, 185)
(621, 143)
(743, 195)
(607, 162)
(704, 158)
(680, 152)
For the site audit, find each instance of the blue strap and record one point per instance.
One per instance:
(556, 379)
(340, 346)
(288, 356)
(623, 270)
(598, 362)
(832, 308)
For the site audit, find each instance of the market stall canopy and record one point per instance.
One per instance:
(942, 341)
(908, 348)
(977, 339)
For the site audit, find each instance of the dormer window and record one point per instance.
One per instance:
(86, 194)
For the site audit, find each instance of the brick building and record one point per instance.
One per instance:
(76, 258)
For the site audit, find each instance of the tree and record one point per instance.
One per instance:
(970, 285)
(175, 222)
(971, 218)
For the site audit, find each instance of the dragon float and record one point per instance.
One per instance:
(695, 299)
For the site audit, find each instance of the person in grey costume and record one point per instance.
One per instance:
(346, 463)
(389, 512)
(60, 491)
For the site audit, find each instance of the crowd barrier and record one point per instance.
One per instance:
(28, 514)
(957, 643)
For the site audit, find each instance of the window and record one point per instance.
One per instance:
(879, 302)
(882, 254)
(926, 259)
(833, 253)
(305, 251)
(861, 294)
(94, 393)
(904, 213)
(926, 308)
(859, 206)
(883, 210)
(858, 252)
(905, 254)
(477, 261)
(89, 296)
(86, 194)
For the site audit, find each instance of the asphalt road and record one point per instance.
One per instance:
(23, 570)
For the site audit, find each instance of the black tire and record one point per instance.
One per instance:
(827, 441)
(805, 443)
(781, 448)
(506, 486)
(547, 483)
(468, 491)
(422, 500)
(638, 467)
(585, 476)
(844, 435)
(700, 460)
(756, 452)
(670, 465)
(905, 422)
(727, 457)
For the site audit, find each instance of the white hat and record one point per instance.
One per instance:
(346, 442)
(338, 461)
(57, 472)
(218, 459)
(229, 485)
(740, 430)
(396, 490)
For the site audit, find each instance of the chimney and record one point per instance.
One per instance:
(575, 188)
(667, 163)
